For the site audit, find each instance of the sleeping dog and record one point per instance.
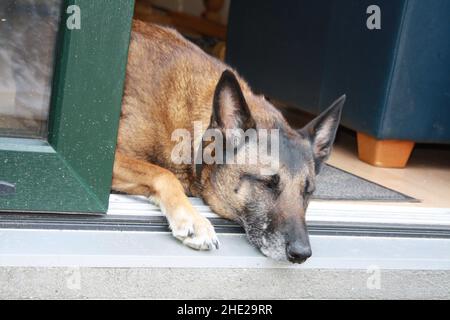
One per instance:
(171, 85)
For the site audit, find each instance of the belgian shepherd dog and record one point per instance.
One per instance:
(172, 84)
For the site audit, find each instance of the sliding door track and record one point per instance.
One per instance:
(131, 213)
(159, 224)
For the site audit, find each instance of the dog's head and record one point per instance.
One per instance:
(268, 198)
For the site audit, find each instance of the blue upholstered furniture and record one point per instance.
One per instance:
(307, 53)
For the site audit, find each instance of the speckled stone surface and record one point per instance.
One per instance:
(178, 283)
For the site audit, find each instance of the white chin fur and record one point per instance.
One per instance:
(274, 247)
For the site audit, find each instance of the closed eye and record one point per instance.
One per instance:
(271, 182)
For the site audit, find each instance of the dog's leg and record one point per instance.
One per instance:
(162, 186)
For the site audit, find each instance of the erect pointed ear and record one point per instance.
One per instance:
(230, 111)
(322, 130)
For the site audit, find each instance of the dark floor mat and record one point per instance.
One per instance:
(335, 184)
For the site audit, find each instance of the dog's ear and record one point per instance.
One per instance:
(322, 130)
(230, 110)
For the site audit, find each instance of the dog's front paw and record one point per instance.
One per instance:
(194, 230)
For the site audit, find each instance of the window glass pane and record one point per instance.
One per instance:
(28, 30)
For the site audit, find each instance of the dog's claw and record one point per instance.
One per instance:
(200, 243)
(216, 243)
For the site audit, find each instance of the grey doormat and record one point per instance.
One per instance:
(335, 184)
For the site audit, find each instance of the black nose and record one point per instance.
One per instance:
(298, 252)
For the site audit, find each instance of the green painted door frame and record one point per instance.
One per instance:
(72, 171)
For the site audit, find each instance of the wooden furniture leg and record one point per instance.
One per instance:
(384, 153)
